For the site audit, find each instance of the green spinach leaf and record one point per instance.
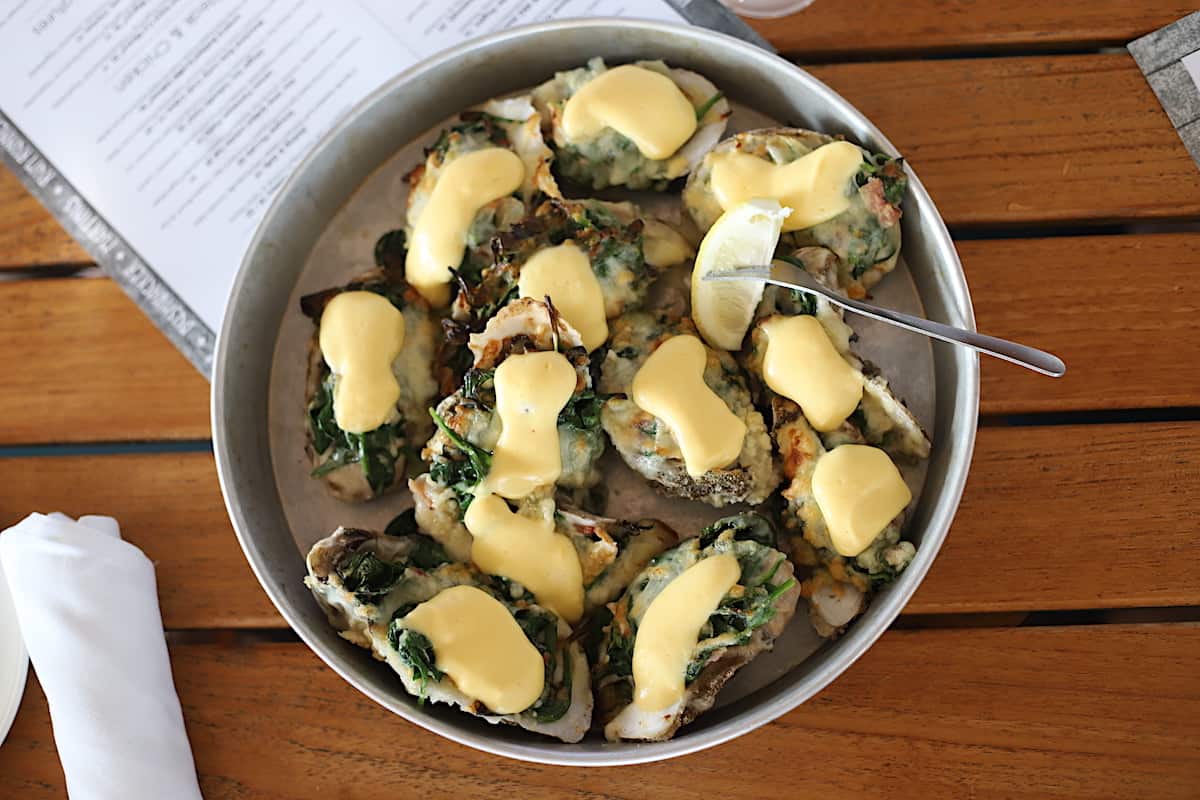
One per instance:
(416, 652)
(375, 451)
(369, 577)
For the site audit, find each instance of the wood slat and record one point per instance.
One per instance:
(1075, 517)
(29, 236)
(872, 27)
(1008, 141)
(998, 141)
(1088, 712)
(1124, 330)
(168, 504)
(82, 363)
(1120, 310)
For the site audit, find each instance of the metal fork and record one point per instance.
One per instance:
(789, 276)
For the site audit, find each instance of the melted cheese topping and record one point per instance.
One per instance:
(802, 364)
(481, 647)
(467, 184)
(531, 389)
(644, 106)
(670, 385)
(361, 335)
(816, 187)
(565, 274)
(663, 246)
(529, 551)
(859, 491)
(670, 629)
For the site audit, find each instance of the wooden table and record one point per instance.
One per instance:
(1054, 649)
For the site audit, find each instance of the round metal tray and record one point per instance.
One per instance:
(247, 433)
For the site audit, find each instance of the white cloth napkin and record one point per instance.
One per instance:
(88, 611)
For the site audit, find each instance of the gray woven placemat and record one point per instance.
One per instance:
(1170, 60)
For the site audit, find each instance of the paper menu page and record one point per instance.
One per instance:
(165, 127)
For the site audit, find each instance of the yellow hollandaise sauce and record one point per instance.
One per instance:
(670, 629)
(644, 106)
(565, 274)
(816, 186)
(481, 647)
(531, 389)
(663, 246)
(802, 364)
(466, 184)
(670, 385)
(529, 551)
(859, 491)
(361, 335)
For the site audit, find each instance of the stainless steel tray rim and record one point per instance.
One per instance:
(231, 472)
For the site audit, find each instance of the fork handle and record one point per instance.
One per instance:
(1023, 355)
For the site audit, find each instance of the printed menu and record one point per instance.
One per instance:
(158, 131)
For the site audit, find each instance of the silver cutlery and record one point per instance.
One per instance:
(789, 276)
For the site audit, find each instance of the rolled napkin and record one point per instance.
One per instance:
(88, 611)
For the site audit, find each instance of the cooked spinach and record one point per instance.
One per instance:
(369, 577)
(542, 630)
(460, 475)
(473, 124)
(869, 244)
(613, 254)
(426, 553)
(391, 250)
(804, 303)
(554, 703)
(620, 653)
(391, 286)
(708, 104)
(478, 386)
(737, 618)
(416, 652)
(749, 538)
(890, 172)
(582, 411)
(595, 216)
(403, 524)
(749, 527)
(376, 452)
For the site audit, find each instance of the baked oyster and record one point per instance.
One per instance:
(647, 444)
(611, 551)
(881, 419)
(459, 452)
(865, 236)
(837, 586)
(360, 465)
(744, 622)
(624, 251)
(371, 585)
(510, 125)
(604, 157)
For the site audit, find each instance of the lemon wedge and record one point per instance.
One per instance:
(745, 235)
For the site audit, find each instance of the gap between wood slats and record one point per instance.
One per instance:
(1126, 331)
(1070, 140)
(1162, 615)
(960, 233)
(880, 29)
(1044, 419)
(1017, 713)
(1070, 517)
